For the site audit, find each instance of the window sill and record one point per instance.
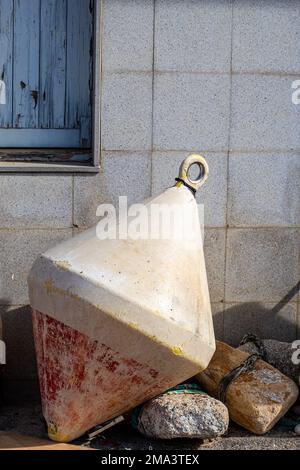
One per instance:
(26, 167)
(47, 160)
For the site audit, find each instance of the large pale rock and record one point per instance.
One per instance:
(279, 355)
(257, 399)
(183, 416)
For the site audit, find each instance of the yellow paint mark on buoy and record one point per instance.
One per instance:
(63, 265)
(51, 289)
(176, 350)
(57, 437)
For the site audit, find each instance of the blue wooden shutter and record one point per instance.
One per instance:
(45, 73)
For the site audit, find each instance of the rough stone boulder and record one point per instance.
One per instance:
(256, 397)
(172, 416)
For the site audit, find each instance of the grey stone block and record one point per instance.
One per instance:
(264, 190)
(121, 174)
(192, 36)
(214, 251)
(35, 201)
(128, 35)
(18, 337)
(218, 319)
(18, 250)
(265, 36)
(127, 111)
(261, 264)
(191, 111)
(263, 115)
(165, 168)
(263, 319)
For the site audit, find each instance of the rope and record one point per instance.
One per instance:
(179, 180)
(251, 338)
(245, 366)
(185, 388)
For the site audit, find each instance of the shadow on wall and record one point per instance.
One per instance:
(19, 381)
(279, 322)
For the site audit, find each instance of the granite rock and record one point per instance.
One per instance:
(172, 416)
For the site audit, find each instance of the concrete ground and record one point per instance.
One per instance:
(29, 420)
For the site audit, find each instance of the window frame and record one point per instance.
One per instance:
(24, 166)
